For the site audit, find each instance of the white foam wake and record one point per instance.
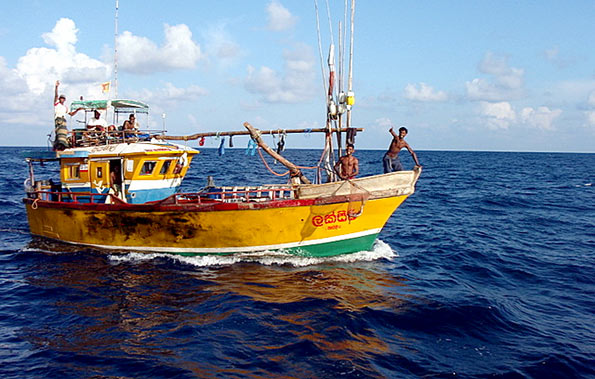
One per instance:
(380, 250)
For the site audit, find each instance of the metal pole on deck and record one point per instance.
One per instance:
(350, 76)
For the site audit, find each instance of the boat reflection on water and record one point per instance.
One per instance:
(202, 319)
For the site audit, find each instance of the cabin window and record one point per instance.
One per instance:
(165, 167)
(148, 167)
(100, 172)
(74, 172)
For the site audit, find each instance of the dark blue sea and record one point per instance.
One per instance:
(488, 270)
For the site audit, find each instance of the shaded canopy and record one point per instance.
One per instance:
(119, 105)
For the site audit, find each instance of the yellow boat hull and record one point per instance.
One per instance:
(309, 227)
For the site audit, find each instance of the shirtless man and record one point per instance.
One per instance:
(391, 160)
(347, 167)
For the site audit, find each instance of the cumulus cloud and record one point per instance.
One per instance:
(541, 118)
(505, 82)
(143, 56)
(497, 115)
(279, 17)
(41, 66)
(424, 92)
(501, 115)
(296, 84)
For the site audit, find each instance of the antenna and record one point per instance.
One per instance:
(116, 53)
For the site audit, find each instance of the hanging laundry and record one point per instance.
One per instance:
(251, 149)
(221, 149)
(281, 144)
(201, 141)
(230, 141)
(350, 138)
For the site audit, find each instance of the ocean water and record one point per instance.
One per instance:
(488, 270)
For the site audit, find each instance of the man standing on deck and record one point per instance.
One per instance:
(347, 167)
(60, 108)
(60, 112)
(391, 160)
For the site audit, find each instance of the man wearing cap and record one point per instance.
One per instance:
(60, 108)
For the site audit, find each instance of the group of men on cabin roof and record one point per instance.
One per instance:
(96, 123)
(347, 167)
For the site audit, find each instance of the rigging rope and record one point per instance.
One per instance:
(268, 167)
(324, 75)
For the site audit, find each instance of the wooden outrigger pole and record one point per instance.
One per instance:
(245, 133)
(293, 170)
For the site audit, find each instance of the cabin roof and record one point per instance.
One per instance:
(119, 105)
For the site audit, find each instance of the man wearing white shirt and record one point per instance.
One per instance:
(60, 112)
(96, 122)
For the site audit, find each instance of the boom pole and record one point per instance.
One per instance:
(244, 133)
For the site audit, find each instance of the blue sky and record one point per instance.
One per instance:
(461, 75)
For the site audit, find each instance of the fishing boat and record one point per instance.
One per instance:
(120, 190)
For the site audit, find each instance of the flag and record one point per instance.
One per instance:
(105, 87)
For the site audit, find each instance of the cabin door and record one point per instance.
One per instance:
(99, 176)
(116, 177)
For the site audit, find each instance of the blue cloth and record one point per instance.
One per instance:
(391, 164)
(221, 149)
(251, 149)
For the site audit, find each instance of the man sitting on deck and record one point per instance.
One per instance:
(391, 160)
(130, 126)
(97, 123)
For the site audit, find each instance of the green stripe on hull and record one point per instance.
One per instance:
(327, 249)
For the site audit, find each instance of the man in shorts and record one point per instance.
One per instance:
(391, 161)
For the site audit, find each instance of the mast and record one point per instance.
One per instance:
(340, 91)
(116, 53)
(350, 98)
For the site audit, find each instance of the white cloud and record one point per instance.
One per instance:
(424, 92)
(591, 100)
(220, 46)
(497, 115)
(541, 118)
(40, 67)
(590, 118)
(279, 17)
(506, 82)
(295, 85)
(141, 55)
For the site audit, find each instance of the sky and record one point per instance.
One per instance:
(460, 75)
